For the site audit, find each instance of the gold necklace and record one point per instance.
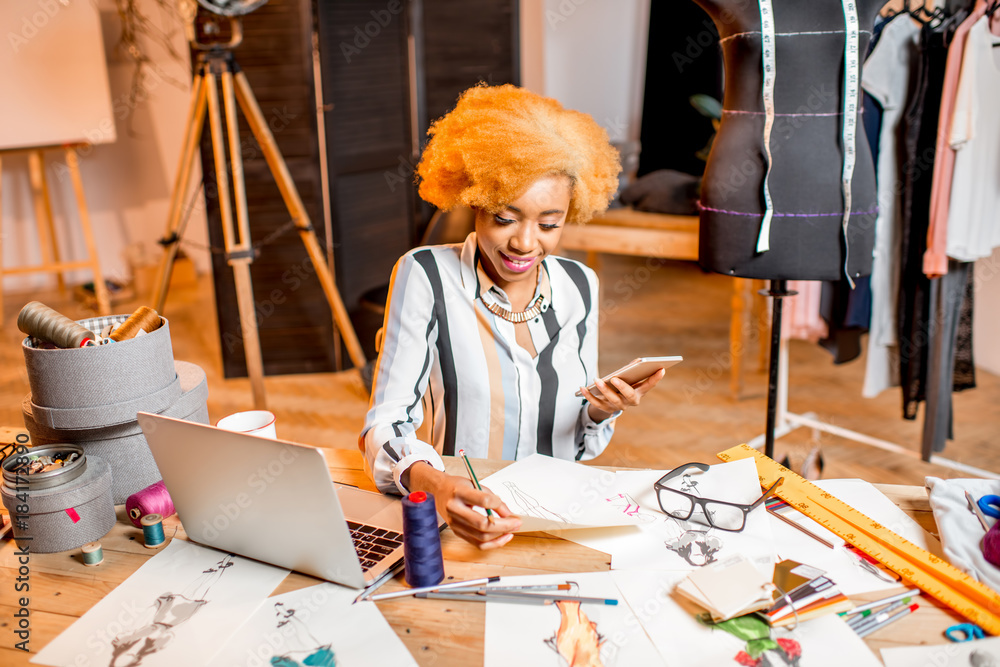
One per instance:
(525, 315)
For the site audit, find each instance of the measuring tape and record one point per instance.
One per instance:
(852, 81)
(767, 58)
(934, 576)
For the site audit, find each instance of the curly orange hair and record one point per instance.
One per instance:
(499, 140)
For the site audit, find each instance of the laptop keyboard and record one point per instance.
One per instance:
(373, 544)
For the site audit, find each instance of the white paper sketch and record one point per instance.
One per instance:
(978, 653)
(682, 639)
(316, 626)
(177, 608)
(662, 542)
(554, 495)
(567, 634)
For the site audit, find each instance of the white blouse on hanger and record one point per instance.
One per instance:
(974, 211)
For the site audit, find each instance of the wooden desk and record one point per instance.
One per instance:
(436, 632)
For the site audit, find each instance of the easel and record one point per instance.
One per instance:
(51, 261)
(216, 64)
(781, 422)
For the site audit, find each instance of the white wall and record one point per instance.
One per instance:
(595, 59)
(986, 314)
(127, 183)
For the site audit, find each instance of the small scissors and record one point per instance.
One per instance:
(964, 632)
(990, 506)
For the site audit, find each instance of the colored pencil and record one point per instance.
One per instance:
(465, 597)
(440, 587)
(535, 587)
(913, 592)
(475, 480)
(864, 632)
(870, 615)
(570, 598)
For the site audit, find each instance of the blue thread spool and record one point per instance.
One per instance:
(152, 531)
(93, 554)
(422, 541)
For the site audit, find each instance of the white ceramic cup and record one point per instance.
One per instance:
(252, 422)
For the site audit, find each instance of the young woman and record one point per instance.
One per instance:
(496, 335)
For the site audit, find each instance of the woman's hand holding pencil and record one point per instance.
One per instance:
(457, 499)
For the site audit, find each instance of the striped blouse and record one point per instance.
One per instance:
(442, 350)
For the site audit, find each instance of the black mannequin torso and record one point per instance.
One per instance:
(806, 235)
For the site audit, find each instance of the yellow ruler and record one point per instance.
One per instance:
(932, 575)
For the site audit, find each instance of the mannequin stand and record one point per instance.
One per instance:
(217, 65)
(781, 422)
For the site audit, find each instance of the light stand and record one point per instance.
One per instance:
(216, 66)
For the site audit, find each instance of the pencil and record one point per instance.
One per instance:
(475, 480)
(913, 592)
(802, 528)
(545, 596)
(533, 587)
(867, 630)
(864, 618)
(440, 587)
(465, 597)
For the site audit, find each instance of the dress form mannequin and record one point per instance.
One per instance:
(806, 238)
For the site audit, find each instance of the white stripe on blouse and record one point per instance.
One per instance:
(482, 386)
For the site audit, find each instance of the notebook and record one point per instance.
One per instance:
(274, 501)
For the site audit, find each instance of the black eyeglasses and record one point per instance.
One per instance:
(716, 513)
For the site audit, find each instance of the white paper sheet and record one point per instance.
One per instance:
(319, 626)
(682, 640)
(520, 634)
(846, 569)
(178, 608)
(978, 653)
(554, 495)
(664, 543)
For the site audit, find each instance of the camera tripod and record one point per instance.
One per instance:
(216, 65)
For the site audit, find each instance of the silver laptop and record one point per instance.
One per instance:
(274, 501)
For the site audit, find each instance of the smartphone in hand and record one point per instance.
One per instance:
(637, 370)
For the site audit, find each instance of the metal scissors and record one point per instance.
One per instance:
(964, 632)
(990, 506)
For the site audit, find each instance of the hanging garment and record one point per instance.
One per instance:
(920, 121)
(950, 324)
(889, 77)
(935, 259)
(974, 210)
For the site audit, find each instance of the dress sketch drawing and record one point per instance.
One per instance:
(304, 648)
(529, 506)
(576, 641)
(167, 611)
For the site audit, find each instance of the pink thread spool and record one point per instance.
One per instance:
(154, 499)
(991, 544)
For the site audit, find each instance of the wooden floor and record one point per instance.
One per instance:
(648, 308)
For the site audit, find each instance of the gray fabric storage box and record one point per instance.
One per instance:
(123, 446)
(49, 526)
(104, 385)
